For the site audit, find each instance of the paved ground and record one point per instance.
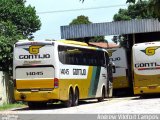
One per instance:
(113, 105)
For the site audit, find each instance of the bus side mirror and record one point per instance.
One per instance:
(112, 65)
(114, 69)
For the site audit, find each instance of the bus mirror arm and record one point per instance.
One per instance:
(113, 67)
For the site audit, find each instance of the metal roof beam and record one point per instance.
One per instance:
(110, 28)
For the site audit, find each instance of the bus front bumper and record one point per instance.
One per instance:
(146, 90)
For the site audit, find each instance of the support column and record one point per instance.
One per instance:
(134, 39)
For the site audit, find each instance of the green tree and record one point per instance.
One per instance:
(8, 36)
(84, 20)
(80, 20)
(139, 10)
(134, 11)
(17, 21)
(122, 15)
(130, 1)
(154, 6)
(23, 17)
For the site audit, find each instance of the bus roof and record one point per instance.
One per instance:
(73, 42)
(27, 42)
(69, 42)
(147, 43)
(23, 42)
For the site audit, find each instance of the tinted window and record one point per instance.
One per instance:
(81, 56)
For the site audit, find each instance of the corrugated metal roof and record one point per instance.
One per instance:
(110, 28)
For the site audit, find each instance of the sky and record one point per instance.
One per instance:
(56, 13)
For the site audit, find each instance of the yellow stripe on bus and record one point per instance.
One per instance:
(28, 84)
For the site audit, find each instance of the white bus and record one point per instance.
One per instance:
(146, 68)
(120, 77)
(63, 70)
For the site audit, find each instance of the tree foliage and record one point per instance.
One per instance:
(139, 10)
(134, 11)
(23, 17)
(17, 21)
(85, 20)
(8, 36)
(153, 7)
(121, 15)
(80, 20)
(130, 1)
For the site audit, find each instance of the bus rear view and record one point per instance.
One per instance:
(33, 71)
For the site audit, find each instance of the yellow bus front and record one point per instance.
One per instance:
(146, 68)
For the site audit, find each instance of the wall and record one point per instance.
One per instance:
(6, 88)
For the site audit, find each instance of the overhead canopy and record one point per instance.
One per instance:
(110, 28)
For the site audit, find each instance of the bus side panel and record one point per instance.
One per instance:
(102, 82)
(72, 76)
(91, 87)
(94, 82)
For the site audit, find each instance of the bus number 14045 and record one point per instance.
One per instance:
(34, 73)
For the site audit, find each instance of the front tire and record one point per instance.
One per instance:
(103, 96)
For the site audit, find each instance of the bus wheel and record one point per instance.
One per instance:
(103, 95)
(76, 97)
(69, 102)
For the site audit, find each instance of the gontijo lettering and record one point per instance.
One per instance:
(147, 66)
(79, 71)
(34, 56)
(34, 50)
(75, 71)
